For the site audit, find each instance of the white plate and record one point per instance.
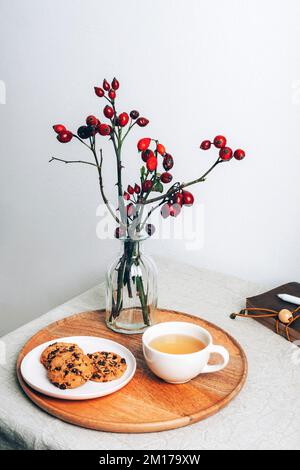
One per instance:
(35, 374)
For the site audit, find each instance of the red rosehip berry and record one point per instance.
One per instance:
(220, 141)
(177, 199)
(120, 232)
(147, 186)
(225, 153)
(239, 154)
(83, 132)
(130, 189)
(59, 128)
(146, 154)
(134, 114)
(161, 149)
(126, 196)
(188, 198)
(108, 111)
(106, 85)
(91, 121)
(64, 136)
(205, 145)
(123, 119)
(99, 92)
(175, 210)
(165, 210)
(150, 229)
(137, 189)
(142, 122)
(168, 162)
(112, 94)
(104, 129)
(166, 177)
(151, 164)
(143, 144)
(115, 84)
(130, 210)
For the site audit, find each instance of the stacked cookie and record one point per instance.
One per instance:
(69, 367)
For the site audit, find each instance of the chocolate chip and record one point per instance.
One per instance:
(62, 386)
(123, 361)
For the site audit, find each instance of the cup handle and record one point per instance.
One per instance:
(225, 355)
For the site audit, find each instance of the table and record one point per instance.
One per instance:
(265, 415)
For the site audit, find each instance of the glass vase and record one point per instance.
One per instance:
(131, 289)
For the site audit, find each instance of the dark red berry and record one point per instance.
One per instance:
(120, 232)
(83, 132)
(219, 141)
(188, 198)
(142, 122)
(225, 153)
(239, 154)
(134, 114)
(177, 199)
(92, 130)
(123, 119)
(59, 128)
(151, 164)
(99, 92)
(150, 229)
(146, 154)
(130, 189)
(112, 94)
(91, 121)
(126, 196)
(64, 136)
(168, 162)
(147, 185)
(143, 144)
(106, 85)
(104, 129)
(115, 84)
(108, 111)
(205, 145)
(166, 177)
(137, 189)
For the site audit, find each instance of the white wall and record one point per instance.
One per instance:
(195, 68)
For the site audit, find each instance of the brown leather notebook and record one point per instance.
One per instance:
(270, 300)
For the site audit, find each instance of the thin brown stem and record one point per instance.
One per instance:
(71, 161)
(177, 188)
(105, 200)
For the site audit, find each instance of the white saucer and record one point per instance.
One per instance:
(35, 374)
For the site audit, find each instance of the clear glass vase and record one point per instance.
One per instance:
(131, 289)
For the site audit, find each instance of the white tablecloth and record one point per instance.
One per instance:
(265, 415)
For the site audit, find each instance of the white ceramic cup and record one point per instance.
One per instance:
(180, 368)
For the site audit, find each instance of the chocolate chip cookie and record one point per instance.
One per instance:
(56, 349)
(107, 366)
(70, 370)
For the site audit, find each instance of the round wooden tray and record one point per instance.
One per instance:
(147, 403)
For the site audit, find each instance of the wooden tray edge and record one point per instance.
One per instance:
(130, 428)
